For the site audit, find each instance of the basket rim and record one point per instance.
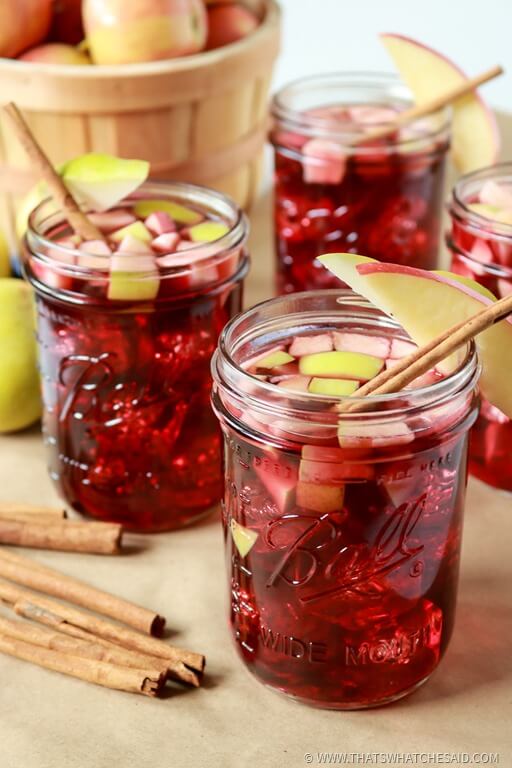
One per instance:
(269, 24)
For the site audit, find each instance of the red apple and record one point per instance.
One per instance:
(228, 23)
(56, 53)
(121, 32)
(23, 23)
(67, 22)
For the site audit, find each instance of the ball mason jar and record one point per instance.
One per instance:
(481, 249)
(342, 554)
(126, 384)
(335, 192)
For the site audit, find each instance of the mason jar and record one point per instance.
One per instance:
(124, 359)
(342, 530)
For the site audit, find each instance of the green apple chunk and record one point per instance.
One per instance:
(179, 213)
(354, 365)
(208, 231)
(427, 304)
(137, 230)
(243, 538)
(336, 387)
(133, 272)
(99, 181)
(274, 360)
(320, 498)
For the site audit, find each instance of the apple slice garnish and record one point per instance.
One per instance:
(429, 74)
(427, 304)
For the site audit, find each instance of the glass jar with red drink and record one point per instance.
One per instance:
(125, 341)
(342, 531)
(339, 190)
(480, 240)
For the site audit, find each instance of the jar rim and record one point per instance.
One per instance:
(458, 205)
(204, 199)
(226, 370)
(393, 90)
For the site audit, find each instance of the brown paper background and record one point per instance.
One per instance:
(50, 721)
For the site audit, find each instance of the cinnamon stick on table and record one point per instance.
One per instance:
(30, 512)
(147, 682)
(29, 573)
(27, 603)
(95, 538)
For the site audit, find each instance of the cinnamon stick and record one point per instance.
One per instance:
(28, 573)
(175, 670)
(63, 198)
(25, 602)
(433, 105)
(86, 647)
(146, 682)
(29, 512)
(64, 535)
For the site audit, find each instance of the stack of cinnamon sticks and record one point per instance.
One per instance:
(121, 654)
(25, 525)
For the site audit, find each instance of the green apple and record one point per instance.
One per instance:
(179, 213)
(137, 230)
(274, 360)
(133, 272)
(208, 231)
(20, 399)
(429, 74)
(244, 538)
(97, 181)
(335, 387)
(427, 304)
(354, 365)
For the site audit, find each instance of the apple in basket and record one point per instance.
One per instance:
(23, 23)
(228, 23)
(119, 32)
(56, 53)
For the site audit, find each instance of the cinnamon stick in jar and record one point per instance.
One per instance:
(63, 535)
(22, 570)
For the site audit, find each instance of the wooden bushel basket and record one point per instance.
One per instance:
(200, 118)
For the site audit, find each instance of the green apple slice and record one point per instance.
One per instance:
(243, 538)
(133, 272)
(334, 387)
(429, 74)
(274, 360)
(468, 282)
(427, 304)
(137, 230)
(208, 231)
(179, 213)
(355, 365)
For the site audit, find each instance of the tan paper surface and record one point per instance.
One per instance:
(50, 721)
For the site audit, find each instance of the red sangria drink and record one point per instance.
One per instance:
(337, 189)
(126, 328)
(480, 240)
(342, 530)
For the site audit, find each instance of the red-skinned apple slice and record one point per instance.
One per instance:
(429, 74)
(427, 304)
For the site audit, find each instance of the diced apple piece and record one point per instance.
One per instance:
(281, 487)
(324, 162)
(374, 435)
(365, 114)
(425, 380)
(377, 346)
(160, 223)
(426, 304)
(354, 365)
(100, 181)
(166, 243)
(179, 213)
(136, 230)
(133, 274)
(92, 254)
(504, 287)
(274, 360)
(334, 387)
(295, 383)
(109, 221)
(208, 231)
(401, 348)
(498, 195)
(429, 75)
(330, 466)
(481, 252)
(320, 498)
(243, 538)
(492, 212)
(307, 345)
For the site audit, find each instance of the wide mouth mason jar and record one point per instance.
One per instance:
(342, 531)
(338, 190)
(481, 247)
(125, 358)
